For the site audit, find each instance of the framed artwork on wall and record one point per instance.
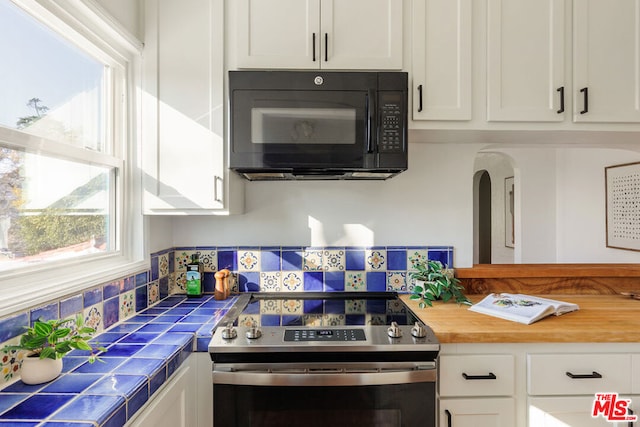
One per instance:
(622, 189)
(509, 202)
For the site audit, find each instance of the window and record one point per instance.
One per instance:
(64, 144)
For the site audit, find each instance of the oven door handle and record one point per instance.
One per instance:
(323, 378)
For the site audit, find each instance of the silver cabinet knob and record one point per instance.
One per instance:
(419, 331)
(229, 332)
(394, 331)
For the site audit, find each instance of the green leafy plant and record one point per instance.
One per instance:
(53, 339)
(433, 281)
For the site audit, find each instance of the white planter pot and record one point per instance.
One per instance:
(37, 371)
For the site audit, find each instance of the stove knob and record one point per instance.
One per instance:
(394, 331)
(419, 331)
(253, 332)
(229, 332)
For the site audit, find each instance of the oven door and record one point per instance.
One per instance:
(289, 129)
(325, 395)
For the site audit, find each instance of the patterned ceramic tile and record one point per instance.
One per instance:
(270, 306)
(209, 259)
(182, 258)
(153, 293)
(312, 320)
(179, 283)
(163, 265)
(270, 281)
(375, 259)
(249, 260)
(356, 306)
(376, 319)
(333, 260)
(127, 304)
(395, 306)
(292, 281)
(292, 306)
(248, 320)
(11, 362)
(333, 320)
(93, 317)
(355, 281)
(396, 281)
(414, 256)
(313, 260)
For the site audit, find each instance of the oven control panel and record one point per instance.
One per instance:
(324, 335)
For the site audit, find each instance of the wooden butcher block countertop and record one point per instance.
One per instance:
(601, 318)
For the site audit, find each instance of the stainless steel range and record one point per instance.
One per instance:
(343, 358)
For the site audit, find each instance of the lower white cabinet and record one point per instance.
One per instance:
(184, 400)
(536, 384)
(477, 412)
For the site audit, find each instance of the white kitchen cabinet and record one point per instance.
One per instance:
(441, 60)
(183, 135)
(174, 404)
(470, 390)
(606, 60)
(565, 412)
(525, 60)
(486, 412)
(315, 34)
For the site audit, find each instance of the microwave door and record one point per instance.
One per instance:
(286, 129)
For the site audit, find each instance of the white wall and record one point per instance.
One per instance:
(126, 12)
(430, 204)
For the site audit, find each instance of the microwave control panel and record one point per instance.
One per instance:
(391, 122)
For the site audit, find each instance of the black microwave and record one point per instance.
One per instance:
(287, 125)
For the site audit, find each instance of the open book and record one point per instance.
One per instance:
(521, 308)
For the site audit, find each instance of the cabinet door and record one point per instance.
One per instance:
(174, 405)
(477, 412)
(278, 33)
(361, 34)
(606, 61)
(565, 412)
(525, 60)
(183, 126)
(441, 59)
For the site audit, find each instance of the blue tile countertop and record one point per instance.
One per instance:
(142, 353)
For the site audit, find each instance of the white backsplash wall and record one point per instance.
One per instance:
(430, 203)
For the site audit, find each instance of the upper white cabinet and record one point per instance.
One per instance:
(525, 60)
(606, 60)
(183, 136)
(442, 52)
(313, 34)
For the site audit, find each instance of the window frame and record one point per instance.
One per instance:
(87, 25)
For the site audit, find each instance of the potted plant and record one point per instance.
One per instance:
(434, 281)
(47, 342)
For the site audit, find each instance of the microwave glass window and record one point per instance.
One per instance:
(275, 125)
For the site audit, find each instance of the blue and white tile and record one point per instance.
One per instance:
(312, 260)
(333, 260)
(179, 283)
(270, 281)
(249, 260)
(375, 260)
(270, 306)
(209, 260)
(355, 281)
(93, 317)
(397, 281)
(292, 306)
(292, 281)
(248, 320)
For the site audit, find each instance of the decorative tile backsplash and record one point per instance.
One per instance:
(264, 269)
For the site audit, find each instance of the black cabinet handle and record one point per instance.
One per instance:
(561, 90)
(630, 412)
(419, 98)
(585, 97)
(326, 47)
(594, 374)
(313, 41)
(491, 376)
(449, 418)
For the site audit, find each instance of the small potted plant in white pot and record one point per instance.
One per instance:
(47, 342)
(434, 281)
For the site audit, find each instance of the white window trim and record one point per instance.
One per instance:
(26, 288)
